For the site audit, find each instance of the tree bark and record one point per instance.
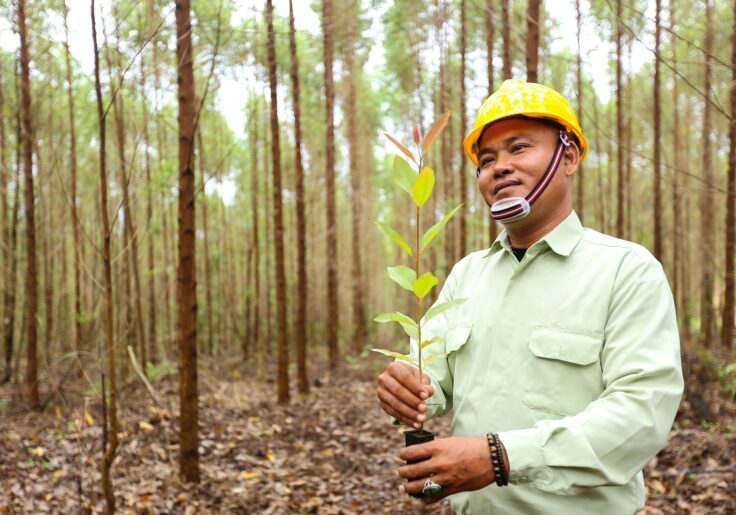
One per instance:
(463, 124)
(532, 40)
(301, 229)
(619, 128)
(256, 297)
(727, 328)
(333, 322)
(506, 36)
(206, 242)
(490, 36)
(579, 80)
(110, 410)
(187, 271)
(707, 198)
(657, 136)
(278, 218)
(30, 208)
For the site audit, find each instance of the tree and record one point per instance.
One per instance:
(506, 37)
(278, 218)
(301, 229)
(532, 40)
(619, 127)
(332, 311)
(490, 36)
(580, 204)
(30, 209)
(186, 273)
(707, 198)
(727, 328)
(657, 136)
(463, 129)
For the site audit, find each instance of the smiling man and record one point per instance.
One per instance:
(562, 368)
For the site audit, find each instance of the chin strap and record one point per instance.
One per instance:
(515, 208)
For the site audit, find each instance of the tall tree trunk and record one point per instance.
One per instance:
(359, 323)
(657, 136)
(110, 410)
(727, 328)
(579, 80)
(206, 242)
(73, 201)
(707, 198)
(506, 36)
(490, 37)
(619, 128)
(187, 271)
(5, 227)
(256, 297)
(152, 345)
(679, 235)
(278, 218)
(463, 122)
(30, 209)
(532, 40)
(333, 322)
(301, 230)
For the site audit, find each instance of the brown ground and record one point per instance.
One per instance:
(332, 452)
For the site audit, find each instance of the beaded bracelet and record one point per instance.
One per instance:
(499, 467)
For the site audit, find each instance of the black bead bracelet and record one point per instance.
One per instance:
(497, 462)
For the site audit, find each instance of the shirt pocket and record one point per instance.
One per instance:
(458, 360)
(563, 374)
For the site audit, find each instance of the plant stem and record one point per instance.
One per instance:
(419, 299)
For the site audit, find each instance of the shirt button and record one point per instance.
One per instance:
(523, 479)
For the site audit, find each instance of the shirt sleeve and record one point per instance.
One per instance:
(619, 432)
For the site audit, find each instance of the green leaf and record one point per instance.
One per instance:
(397, 355)
(431, 341)
(435, 130)
(436, 228)
(403, 276)
(439, 308)
(401, 147)
(410, 330)
(394, 235)
(423, 284)
(423, 186)
(395, 317)
(403, 174)
(431, 359)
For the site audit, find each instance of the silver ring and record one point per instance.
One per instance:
(430, 487)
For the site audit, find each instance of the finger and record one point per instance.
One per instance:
(408, 376)
(413, 471)
(399, 410)
(417, 452)
(432, 499)
(407, 397)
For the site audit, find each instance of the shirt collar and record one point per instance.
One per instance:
(562, 239)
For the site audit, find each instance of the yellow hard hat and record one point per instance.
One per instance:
(527, 99)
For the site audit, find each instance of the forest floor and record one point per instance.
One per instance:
(330, 452)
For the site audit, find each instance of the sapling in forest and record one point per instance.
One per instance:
(416, 179)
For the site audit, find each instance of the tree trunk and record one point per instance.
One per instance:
(532, 40)
(278, 219)
(619, 128)
(463, 123)
(727, 328)
(301, 230)
(707, 199)
(256, 297)
(110, 410)
(187, 271)
(333, 322)
(657, 136)
(579, 79)
(30, 208)
(206, 242)
(490, 36)
(506, 35)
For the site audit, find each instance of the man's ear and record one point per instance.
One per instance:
(571, 159)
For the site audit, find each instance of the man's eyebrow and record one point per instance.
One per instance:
(507, 141)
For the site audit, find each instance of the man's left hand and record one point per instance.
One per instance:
(457, 464)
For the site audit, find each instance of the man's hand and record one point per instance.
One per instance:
(401, 394)
(457, 464)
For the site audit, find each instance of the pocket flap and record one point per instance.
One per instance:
(456, 337)
(565, 345)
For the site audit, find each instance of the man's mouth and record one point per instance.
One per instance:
(504, 184)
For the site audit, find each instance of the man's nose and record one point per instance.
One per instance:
(503, 167)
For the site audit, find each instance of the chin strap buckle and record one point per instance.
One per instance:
(564, 138)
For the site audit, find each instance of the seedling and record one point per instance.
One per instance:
(418, 181)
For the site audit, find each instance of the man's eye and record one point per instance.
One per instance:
(486, 161)
(517, 148)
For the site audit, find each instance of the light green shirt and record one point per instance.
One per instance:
(573, 356)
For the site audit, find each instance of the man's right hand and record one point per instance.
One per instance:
(401, 394)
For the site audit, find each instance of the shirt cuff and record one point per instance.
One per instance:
(525, 456)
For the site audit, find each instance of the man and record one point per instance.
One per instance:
(562, 368)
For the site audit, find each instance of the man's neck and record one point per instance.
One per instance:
(524, 235)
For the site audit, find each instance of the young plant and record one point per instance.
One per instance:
(418, 182)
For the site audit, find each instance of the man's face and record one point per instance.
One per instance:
(513, 156)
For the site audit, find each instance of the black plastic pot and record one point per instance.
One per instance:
(415, 437)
